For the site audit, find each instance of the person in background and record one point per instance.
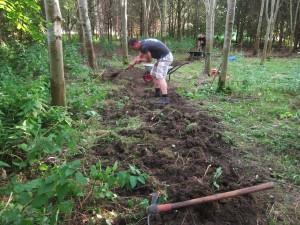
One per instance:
(201, 42)
(154, 49)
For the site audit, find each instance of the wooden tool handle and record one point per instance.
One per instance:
(211, 198)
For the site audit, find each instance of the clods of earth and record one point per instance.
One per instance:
(182, 149)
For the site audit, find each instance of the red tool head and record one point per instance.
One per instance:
(147, 77)
(214, 72)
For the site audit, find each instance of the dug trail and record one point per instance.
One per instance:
(182, 149)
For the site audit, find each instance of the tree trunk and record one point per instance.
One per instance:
(264, 54)
(293, 22)
(100, 18)
(159, 10)
(116, 20)
(179, 9)
(227, 42)
(271, 39)
(258, 30)
(91, 13)
(213, 22)
(164, 20)
(145, 19)
(271, 12)
(281, 33)
(124, 30)
(54, 20)
(81, 35)
(241, 37)
(67, 24)
(97, 17)
(146, 15)
(210, 6)
(85, 21)
(197, 20)
(171, 29)
(183, 25)
(297, 36)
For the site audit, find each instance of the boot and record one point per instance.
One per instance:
(165, 100)
(157, 92)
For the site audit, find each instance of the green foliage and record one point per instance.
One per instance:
(181, 46)
(73, 62)
(17, 60)
(141, 203)
(68, 11)
(106, 46)
(191, 127)
(108, 179)
(217, 174)
(36, 137)
(43, 200)
(86, 98)
(23, 15)
(46, 199)
(104, 180)
(30, 61)
(30, 129)
(131, 178)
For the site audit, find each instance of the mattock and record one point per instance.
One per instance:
(155, 208)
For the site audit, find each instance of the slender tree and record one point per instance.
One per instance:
(146, 16)
(210, 6)
(85, 21)
(270, 16)
(54, 20)
(227, 42)
(197, 15)
(124, 30)
(100, 17)
(258, 30)
(80, 33)
(297, 36)
(270, 42)
(164, 20)
(293, 23)
(180, 6)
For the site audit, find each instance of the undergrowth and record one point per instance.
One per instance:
(42, 180)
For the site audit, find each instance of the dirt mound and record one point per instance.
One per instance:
(181, 148)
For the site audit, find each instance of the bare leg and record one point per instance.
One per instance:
(156, 83)
(163, 86)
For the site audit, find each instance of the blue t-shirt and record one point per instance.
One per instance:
(157, 49)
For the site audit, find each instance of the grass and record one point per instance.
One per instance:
(260, 107)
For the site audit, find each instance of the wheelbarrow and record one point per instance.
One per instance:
(196, 54)
(148, 67)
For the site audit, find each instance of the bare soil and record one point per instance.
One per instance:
(180, 147)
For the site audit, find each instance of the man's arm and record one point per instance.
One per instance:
(147, 57)
(142, 57)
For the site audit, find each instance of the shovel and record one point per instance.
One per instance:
(155, 208)
(115, 74)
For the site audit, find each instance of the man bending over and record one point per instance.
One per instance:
(153, 48)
